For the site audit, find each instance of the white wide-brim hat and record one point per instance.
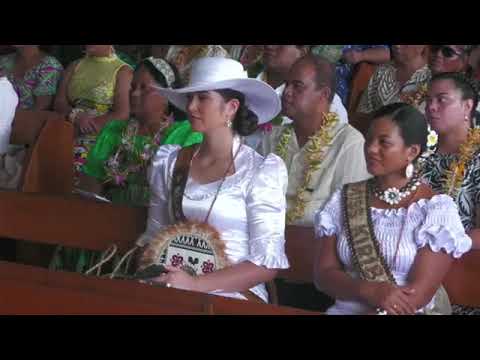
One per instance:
(216, 73)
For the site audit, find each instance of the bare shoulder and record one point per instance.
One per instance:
(425, 192)
(125, 72)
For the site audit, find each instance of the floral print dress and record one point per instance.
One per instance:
(41, 80)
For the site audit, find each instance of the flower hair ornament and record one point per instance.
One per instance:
(164, 68)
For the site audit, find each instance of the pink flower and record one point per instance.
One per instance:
(119, 179)
(266, 128)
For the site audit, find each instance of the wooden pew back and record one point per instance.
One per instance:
(48, 165)
(69, 220)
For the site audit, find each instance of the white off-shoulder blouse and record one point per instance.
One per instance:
(249, 212)
(434, 222)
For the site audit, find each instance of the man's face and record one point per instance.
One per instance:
(302, 97)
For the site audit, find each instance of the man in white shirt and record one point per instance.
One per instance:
(321, 151)
(338, 147)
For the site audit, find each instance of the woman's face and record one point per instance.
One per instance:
(445, 110)
(207, 110)
(144, 99)
(385, 149)
(406, 53)
(447, 58)
(98, 50)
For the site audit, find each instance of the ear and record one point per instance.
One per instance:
(413, 152)
(231, 107)
(326, 92)
(468, 107)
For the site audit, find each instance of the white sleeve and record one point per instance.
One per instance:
(442, 228)
(8, 105)
(328, 220)
(266, 206)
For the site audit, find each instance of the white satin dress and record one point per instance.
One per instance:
(249, 212)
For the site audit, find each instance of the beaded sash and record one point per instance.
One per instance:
(361, 239)
(364, 245)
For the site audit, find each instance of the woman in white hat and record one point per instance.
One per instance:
(230, 195)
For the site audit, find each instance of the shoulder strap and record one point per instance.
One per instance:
(179, 181)
(361, 239)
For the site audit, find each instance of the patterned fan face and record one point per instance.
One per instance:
(195, 248)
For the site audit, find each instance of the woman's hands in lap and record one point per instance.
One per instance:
(394, 299)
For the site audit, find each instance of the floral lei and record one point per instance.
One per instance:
(458, 168)
(315, 153)
(415, 98)
(127, 160)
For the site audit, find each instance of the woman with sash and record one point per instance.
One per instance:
(454, 168)
(217, 213)
(385, 244)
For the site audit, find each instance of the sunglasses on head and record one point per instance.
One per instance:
(447, 52)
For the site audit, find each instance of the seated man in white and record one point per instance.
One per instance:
(322, 152)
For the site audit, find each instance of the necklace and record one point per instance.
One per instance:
(457, 170)
(394, 196)
(315, 151)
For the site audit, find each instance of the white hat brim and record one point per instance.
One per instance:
(259, 96)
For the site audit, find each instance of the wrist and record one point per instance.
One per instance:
(198, 283)
(365, 291)
(360, 57)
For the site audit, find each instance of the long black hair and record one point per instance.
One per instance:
(246, 121)
(411, 122)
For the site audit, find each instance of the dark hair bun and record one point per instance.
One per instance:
(245, 122)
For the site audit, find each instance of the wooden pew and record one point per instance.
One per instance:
(69, 220)
(462, 283)
(62, 220)
(58, 219)
(48, 165)
(72, 293)
(26, 298)
(299, 245)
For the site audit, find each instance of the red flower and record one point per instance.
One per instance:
(207, 267)
(177, 260)
(267, 127)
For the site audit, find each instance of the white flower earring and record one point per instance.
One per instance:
(229, 123)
